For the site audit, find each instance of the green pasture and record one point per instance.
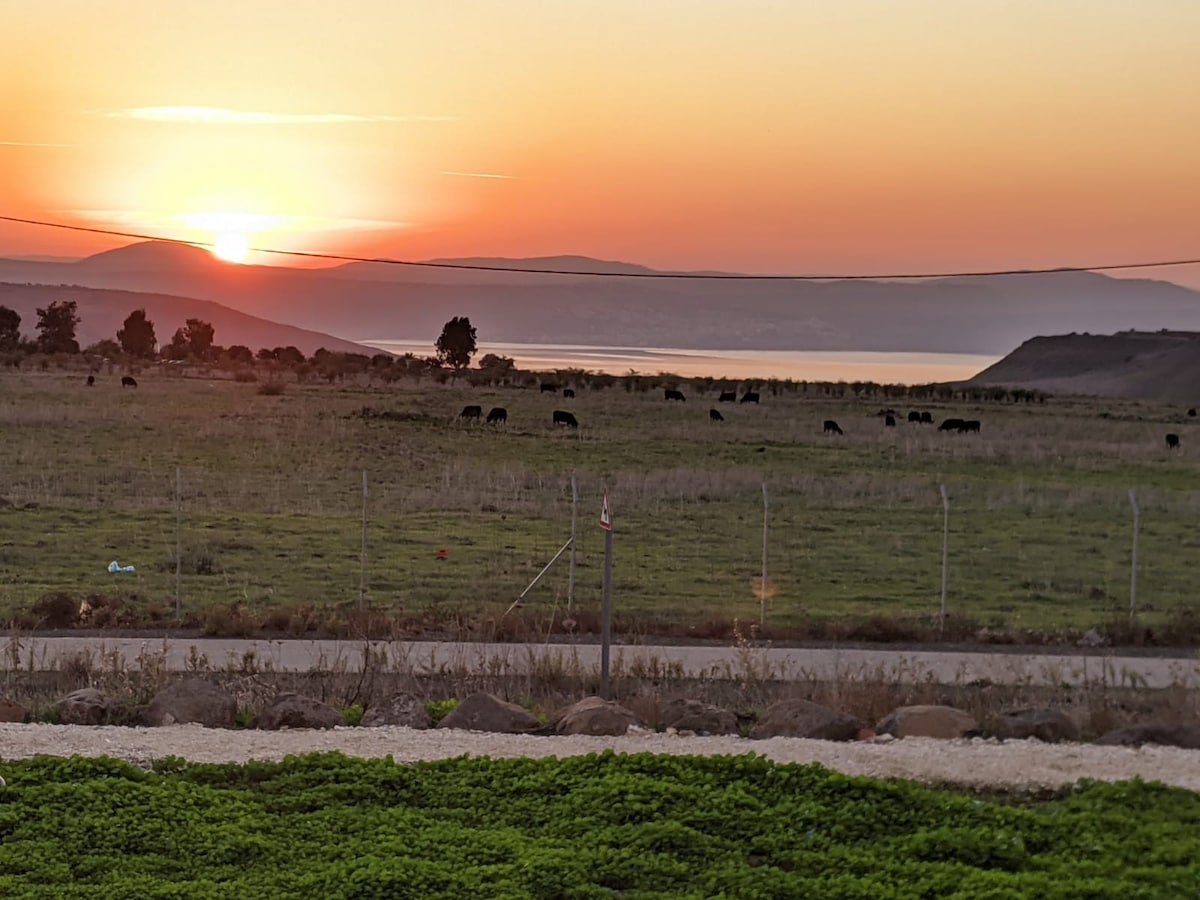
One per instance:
(462, 517)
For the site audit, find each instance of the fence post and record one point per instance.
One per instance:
(762, 609)
(1137, 521)
(574, 521)
(606, 522)
(362, 571)
(178, 544)
(945, 553)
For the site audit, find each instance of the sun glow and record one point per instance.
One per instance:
(232, 246)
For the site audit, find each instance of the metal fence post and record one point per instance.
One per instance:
(945, 552)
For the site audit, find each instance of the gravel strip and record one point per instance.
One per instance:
(976, 763)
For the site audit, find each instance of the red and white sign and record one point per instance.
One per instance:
(605, 514)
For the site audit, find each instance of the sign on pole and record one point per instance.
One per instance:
(605, 514)
(606, 602)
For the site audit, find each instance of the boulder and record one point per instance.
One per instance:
(1050, 725)
(289, 710)
(804, 719)
(594, 715)
(86, 706)
(399, 709)
(698, 717)
(483, 712)
(944, 722)
(192, 700)
(1186, 736)
(11, 711)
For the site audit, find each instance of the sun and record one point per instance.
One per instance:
(231, 246)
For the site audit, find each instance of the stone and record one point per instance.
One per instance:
(290, 710)
(398, 709)
(192, 700)
(11, 711)
(1091, 638)
(484, 712)
(1186, 736)
(697, 717)
(594, 715)
(86, 706)
(1050, 725)
(943, 722)
(799, 718)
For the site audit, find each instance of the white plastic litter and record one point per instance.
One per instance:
(115, 567)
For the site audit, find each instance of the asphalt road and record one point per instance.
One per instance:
(908, 666)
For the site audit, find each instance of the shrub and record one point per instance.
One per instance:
(271, 388)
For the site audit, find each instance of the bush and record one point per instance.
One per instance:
(271, 388)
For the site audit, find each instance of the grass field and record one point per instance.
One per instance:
(272, 497)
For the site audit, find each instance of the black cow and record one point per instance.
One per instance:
(727, 397)
(889, 421)
(497, 414)
(1172, 441)
(831, 427)
(549, 388)
(569, 392)
(1192, 412)
(750, 397)
(565, 418)
(91, 380)
(951, 425)
(672, 394)
(471, 412)
(914, 416)
(969, 425)
(926, 418)
(128, 381)
(715, 416)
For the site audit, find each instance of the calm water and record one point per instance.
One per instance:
(885, 368)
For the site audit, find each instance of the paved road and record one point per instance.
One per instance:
(775, 664)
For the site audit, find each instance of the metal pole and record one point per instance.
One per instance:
(606, 609)
(178, 544)
(1137, 520)
(362, 573)
(574, 521)
(538, 577)
(762, 611)
(945, 551)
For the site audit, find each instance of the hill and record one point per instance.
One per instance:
(377, 301)
(102, 312)
(1160, 366)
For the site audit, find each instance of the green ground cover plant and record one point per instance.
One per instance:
(639, 826)
(461, 517)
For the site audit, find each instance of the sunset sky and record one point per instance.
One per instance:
(748, 135)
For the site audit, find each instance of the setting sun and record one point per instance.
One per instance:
(232, 247)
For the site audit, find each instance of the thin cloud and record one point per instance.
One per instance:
(215, 115)
(29, 144)
(222, 221)
(479, 175)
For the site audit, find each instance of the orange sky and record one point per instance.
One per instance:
(745, 135)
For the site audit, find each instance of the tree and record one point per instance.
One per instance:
(56, 328)
(137, 335)
(10, 329)
(497, 363)
(240, 354)
(456, 345)
(198, 335)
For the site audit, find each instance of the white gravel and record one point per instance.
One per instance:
(979, 763)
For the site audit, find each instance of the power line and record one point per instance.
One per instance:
(695, 276)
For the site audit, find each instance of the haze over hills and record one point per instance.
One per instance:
(378, 301)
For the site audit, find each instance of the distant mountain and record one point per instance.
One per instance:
(1160, 366)
(102, 312)
(378, 301)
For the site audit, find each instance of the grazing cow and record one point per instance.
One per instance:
(750, 397)
(549, 388)
(831, 427)
(926, 418)
(569, 392)
(715, 416)
(951, 425)
(128, 381)
(727, 397)
(889, 421)
(969, 425)
(471, 412)
(914, 416)
(672, 394)
(497, 414)
(91, 380)
(565, 418)
(1192, 412)
(1172, 441)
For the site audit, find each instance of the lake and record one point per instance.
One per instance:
(798, 365)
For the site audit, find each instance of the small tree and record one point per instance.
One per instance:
(10, 329)
(56, 328)
(456, 345)
(137, 335)
(198, 335)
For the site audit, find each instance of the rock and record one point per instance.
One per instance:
(1091, 638)
(86, 706)
(805, 719)
(11, 711)
(399, 709)
(1050, 725)
(593, 715)
(290, 710)
(483, 712)
(192, 700)
(1186, 736)
(697, 717)
(944, 722)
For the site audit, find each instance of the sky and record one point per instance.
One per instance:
(863, 136)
